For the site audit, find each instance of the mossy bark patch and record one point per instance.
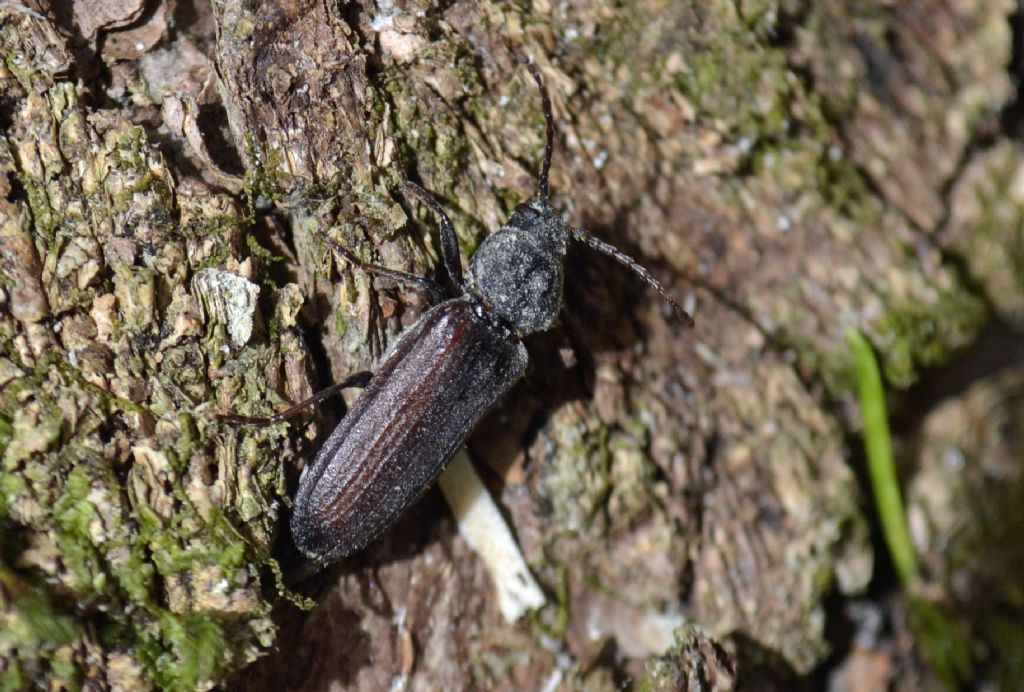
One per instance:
(134, 536)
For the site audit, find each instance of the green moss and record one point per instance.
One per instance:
(260, 253)
(436, 145)
(942, 641)
(340, 324)
(75, 510)
(34, 623)
(115, 550)
(45, 220)
(184, 651)
(844, 187)
(632, 475)
(243, 28)
(739, 81)
(914, 334)
(733, 76)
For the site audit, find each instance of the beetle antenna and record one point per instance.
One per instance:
(543, 189)
(359, 379)
(624, 259)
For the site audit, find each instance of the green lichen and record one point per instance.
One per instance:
(632, 474)
(577, 482)
(126, 507)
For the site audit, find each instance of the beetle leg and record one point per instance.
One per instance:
(449, 241)
(359, 379)
(435, 292)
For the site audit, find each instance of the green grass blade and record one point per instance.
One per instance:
(938, 635)
(882, 468)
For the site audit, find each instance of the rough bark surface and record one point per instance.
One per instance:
(173, 172)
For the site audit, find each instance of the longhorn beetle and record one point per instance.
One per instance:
(443, 374)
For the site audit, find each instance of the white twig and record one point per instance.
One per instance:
(482, 525)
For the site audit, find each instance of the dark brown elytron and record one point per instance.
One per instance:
(443, 374)
(436, 383)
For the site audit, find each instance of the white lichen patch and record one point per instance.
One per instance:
(228, 299)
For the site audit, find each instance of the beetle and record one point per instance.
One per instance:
(443, 373)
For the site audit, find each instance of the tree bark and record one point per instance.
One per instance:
(176, 171)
